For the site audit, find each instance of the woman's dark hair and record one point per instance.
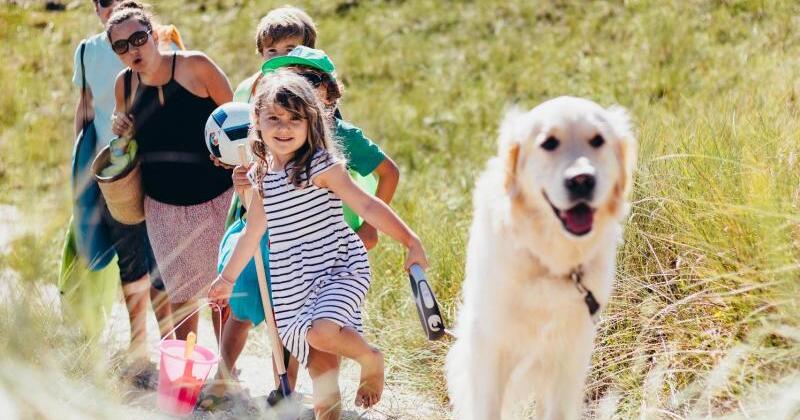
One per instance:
(129, 9)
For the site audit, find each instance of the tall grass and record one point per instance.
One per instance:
(705, 317)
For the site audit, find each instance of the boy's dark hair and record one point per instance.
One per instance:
(285, 22)
(333, 88)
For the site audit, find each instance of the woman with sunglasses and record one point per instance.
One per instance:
(141, 282)
(163, 101)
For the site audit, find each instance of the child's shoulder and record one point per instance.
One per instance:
(363, 155)
(244, 90)
(346, 129)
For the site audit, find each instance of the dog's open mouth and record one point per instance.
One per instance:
(576, 220)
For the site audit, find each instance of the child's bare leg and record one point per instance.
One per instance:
(329, 337)
(324, 370)
(234, 337)
(291, 370)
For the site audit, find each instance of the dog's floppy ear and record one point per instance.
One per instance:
(625, 149)
(514, 128)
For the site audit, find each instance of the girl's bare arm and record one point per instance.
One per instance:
(243, 251)
(374, 211)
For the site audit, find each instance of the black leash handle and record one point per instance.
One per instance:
(427, 307)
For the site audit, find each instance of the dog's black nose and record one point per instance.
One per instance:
(580, 186)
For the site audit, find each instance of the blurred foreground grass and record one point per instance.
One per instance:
(706, 317)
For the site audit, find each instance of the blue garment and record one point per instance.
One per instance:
(245, 301)
(102, 68)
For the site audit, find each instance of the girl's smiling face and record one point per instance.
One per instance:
(282, 131)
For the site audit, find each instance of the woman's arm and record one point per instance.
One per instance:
(121, 123)
(243, 252)
(374, 211)
(212, 77)
(84, 111)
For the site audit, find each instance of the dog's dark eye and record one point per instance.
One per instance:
(550, 144)
(597, 141)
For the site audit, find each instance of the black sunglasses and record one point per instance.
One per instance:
(314, 78)
(105, 3)
(137, 39)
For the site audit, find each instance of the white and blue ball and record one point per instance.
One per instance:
(226, 129)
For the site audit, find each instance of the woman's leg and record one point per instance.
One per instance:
(327, 336)
(163, 311)
(180, 312)
(136, 300)
(324, 371)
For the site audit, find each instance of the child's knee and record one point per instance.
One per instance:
(322, 333)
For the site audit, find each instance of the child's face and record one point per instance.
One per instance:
(281, 47)
(282, 131)
(317, 81)
(104, 8)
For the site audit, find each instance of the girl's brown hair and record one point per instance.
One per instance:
(129, 9)
(293, 93)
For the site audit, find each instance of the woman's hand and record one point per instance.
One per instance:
(122, 124)
(219, 163)
(220, 291)
(416, 255)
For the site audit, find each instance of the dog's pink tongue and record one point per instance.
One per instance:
(578, 220)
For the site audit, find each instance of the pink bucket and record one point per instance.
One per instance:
(178, 388)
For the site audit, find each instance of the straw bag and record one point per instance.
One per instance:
(123, 191)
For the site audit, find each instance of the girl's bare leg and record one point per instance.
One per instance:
(327, 336)
(324, 370)
(291, 371)
(234, 337)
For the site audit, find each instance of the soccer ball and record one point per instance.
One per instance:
(226, 129)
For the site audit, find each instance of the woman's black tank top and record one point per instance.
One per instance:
(176, 168)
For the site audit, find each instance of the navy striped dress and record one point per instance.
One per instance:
(318, 265)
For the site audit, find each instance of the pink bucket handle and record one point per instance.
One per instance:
(219, 311)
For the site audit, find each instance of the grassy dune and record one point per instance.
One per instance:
(706, 316)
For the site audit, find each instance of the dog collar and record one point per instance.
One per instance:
(591, 303)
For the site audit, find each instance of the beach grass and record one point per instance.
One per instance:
(705, 319)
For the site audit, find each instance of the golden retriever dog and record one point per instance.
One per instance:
(547, 221)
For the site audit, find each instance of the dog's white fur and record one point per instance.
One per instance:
(522, 318)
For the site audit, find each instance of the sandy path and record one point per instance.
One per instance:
(256, 378)
(255, 363)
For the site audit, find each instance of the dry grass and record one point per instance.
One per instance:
(705, 318)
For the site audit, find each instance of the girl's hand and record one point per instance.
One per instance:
(122, 124)
(220, 291)
(240, 182)
(416, 255)
(219, 163)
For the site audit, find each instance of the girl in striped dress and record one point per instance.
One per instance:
(318, 266)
